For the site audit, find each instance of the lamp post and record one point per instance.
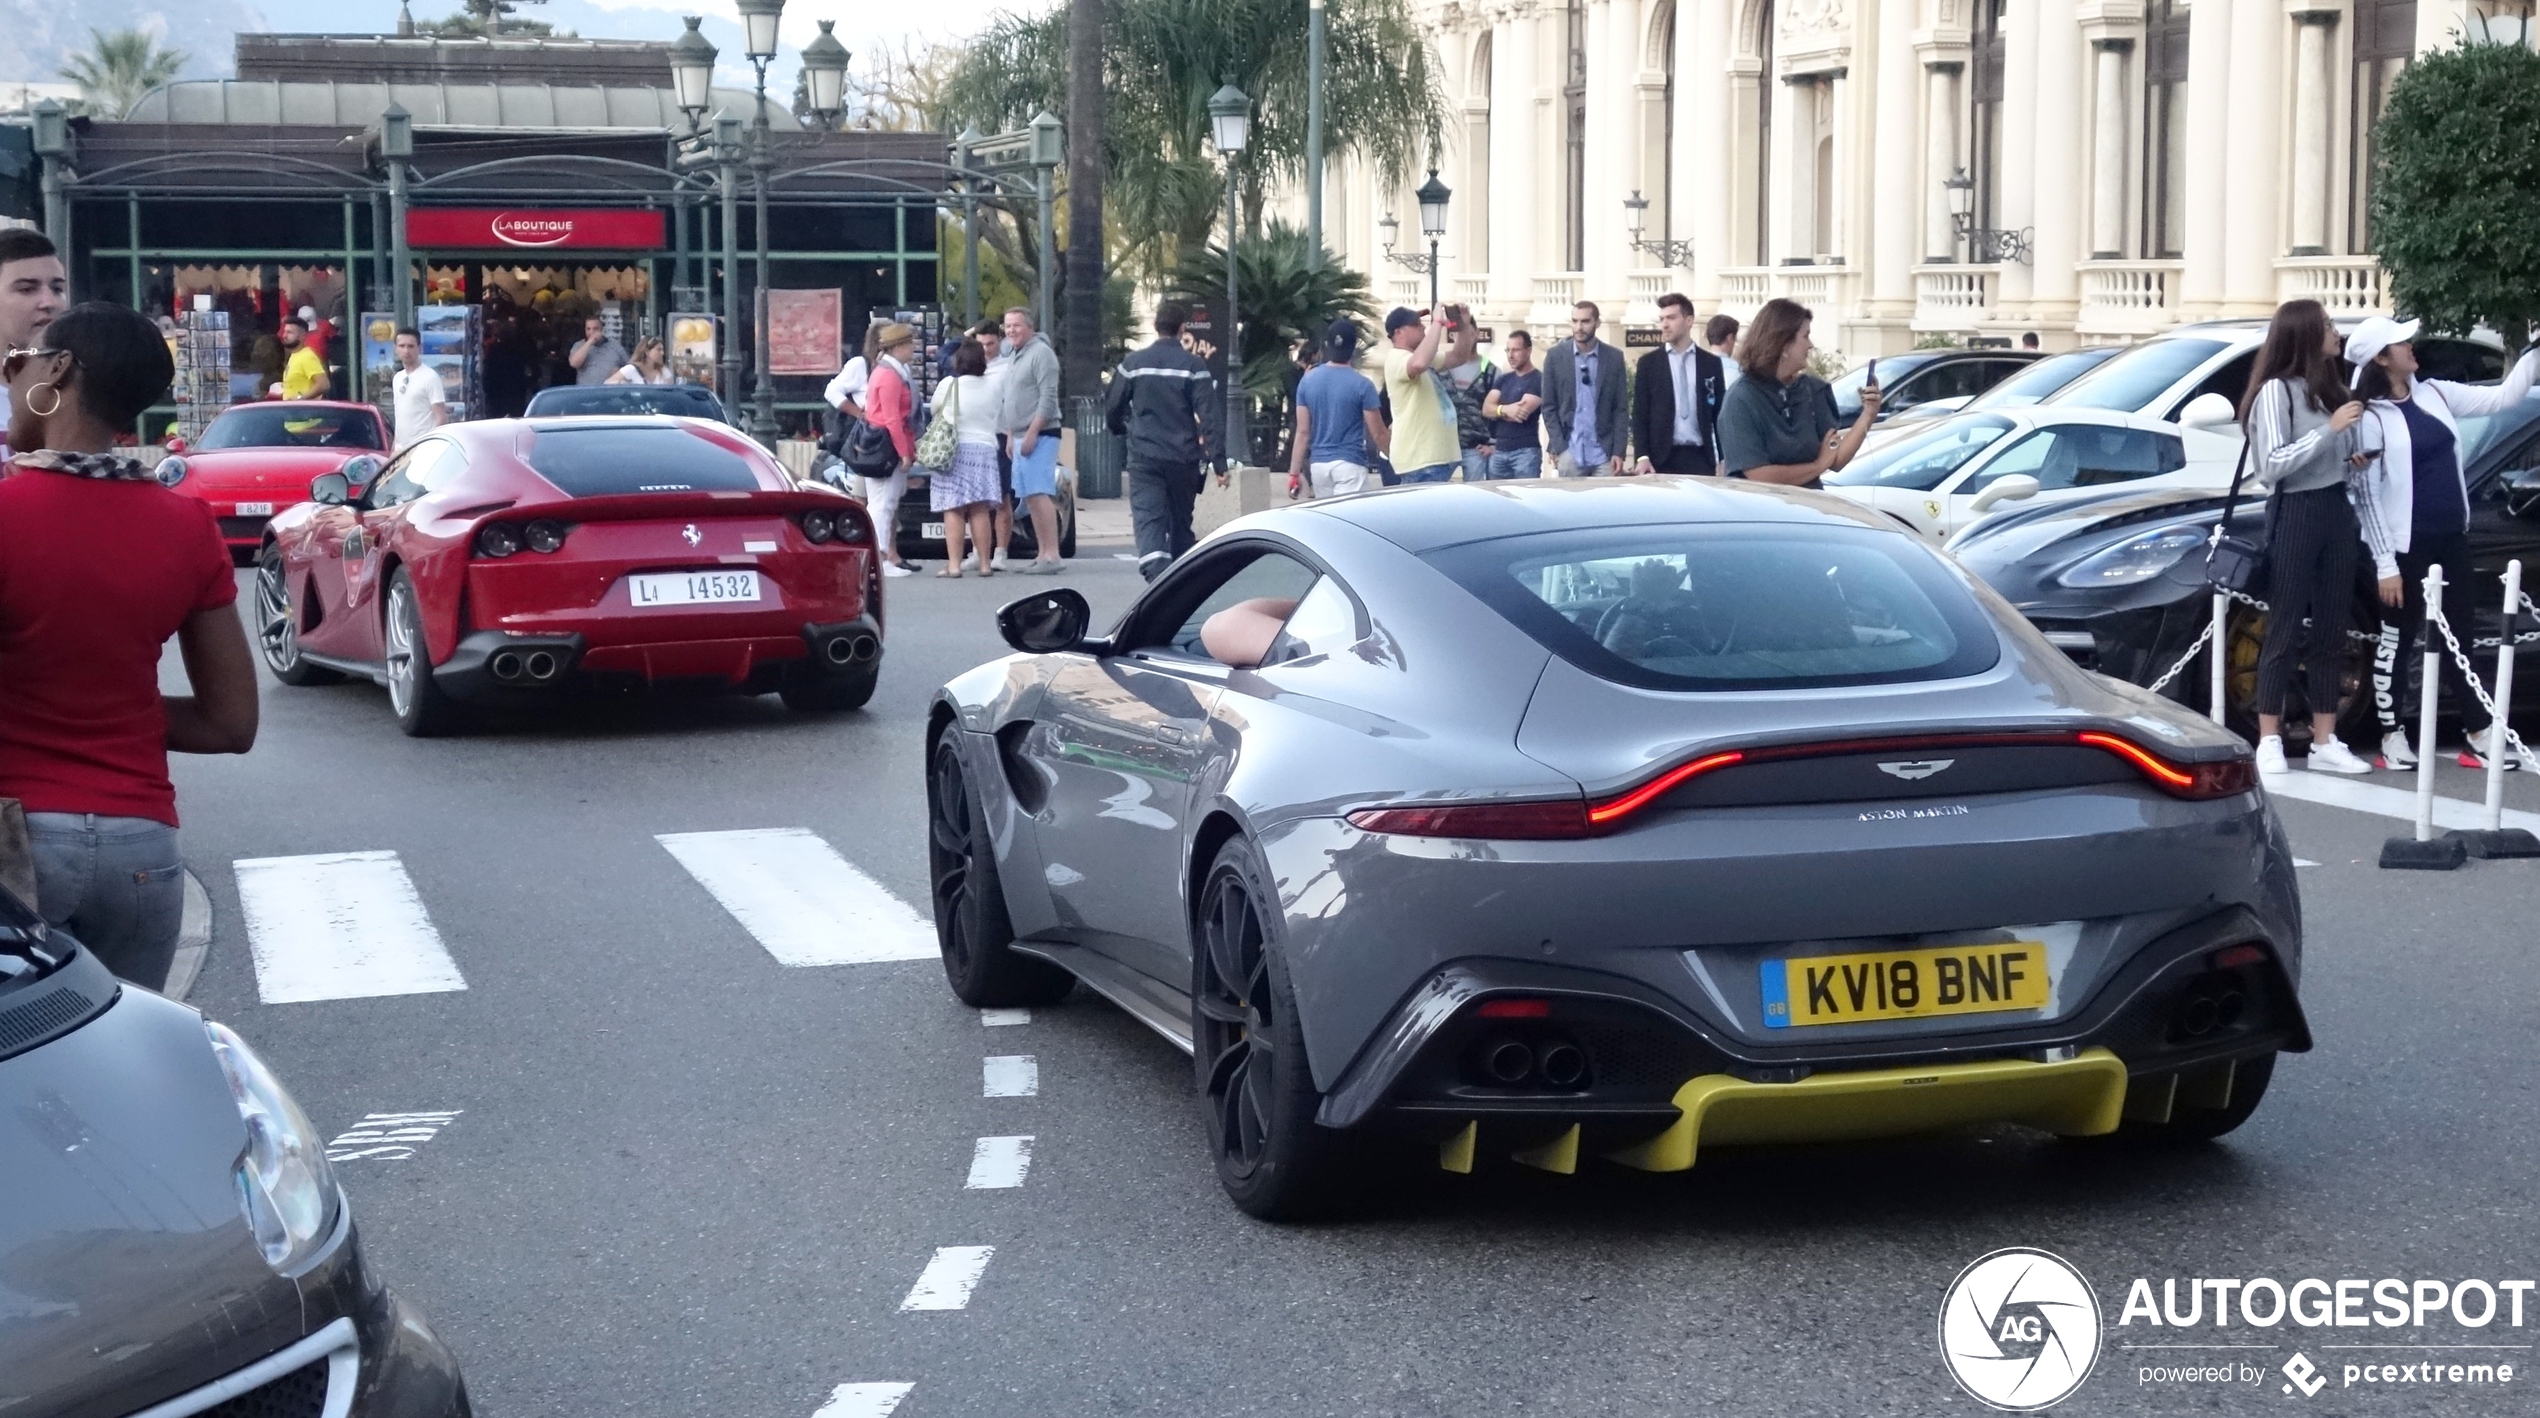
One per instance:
(758, 29)
(1669, 251)
(962, 146)
(53, 145)
(1962, 199)
(1314, 134)
(396, 145)
(692, 58)
(1230, 122)
(1049, 149)
(1432, 198)
(825, 75)
(1986, 246)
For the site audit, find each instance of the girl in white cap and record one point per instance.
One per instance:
(2413, 503)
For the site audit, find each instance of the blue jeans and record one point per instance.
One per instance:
(116, 884)
(1516, 463)
(1476, 465)
(1443, 472)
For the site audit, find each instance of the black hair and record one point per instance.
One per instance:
(405, 330)
(25, 244)
(1679, 300)
(969, 359)
(2372, 380)
(1515, 335)
(295, 320)
(1721, 327)
(124, 365)
(1170, 317)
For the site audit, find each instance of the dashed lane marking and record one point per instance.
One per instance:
(340, 925)
(949, 1278)
(997, 1163)
(388, 1137)
(863, 1401)
(1009, 1076)
(993, 1018)
(804, 902)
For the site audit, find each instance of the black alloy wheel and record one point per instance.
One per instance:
(1274, 1160)
(971, 925)
(278, 626)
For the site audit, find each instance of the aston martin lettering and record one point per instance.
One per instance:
(1901, 814)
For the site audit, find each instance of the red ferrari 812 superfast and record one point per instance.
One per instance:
(511, 560)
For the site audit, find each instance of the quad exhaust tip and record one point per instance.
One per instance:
(541, 664)
(854, 649)
(506, 665)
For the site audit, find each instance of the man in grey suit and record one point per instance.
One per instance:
(1583, 399)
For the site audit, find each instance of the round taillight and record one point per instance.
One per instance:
(497, 539)
(545, 536)
(819, 526)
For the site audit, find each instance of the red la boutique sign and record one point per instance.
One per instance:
(535, 229)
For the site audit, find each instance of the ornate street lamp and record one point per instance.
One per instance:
(758, 28)
(1668, 250)
(1048, 150)
(1432, 197)
(692, 70)
(825, 75)
(1230, 122)
(1986, 246)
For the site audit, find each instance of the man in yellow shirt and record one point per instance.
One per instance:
(303, 374)
(1424, 449)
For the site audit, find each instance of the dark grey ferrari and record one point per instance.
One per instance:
(173, 1242)
(1609, 818)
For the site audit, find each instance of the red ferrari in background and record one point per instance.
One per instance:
(511, 559)
(258, 458)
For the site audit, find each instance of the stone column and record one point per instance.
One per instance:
(1890, 225)
(1794, 179)
(2313, 91)
(2015, 187)
(1515, 203)
(1471, 209)
(2207, 195)
(2253, 161)
(2108, 152)
(2059, 215)
(1941, 159)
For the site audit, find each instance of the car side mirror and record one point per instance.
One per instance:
(331, 489)
(1046, 622)
(2522, 492)
(2017, 487)
(176, 445)
(2208, 411)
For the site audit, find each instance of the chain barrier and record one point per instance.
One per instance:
(2460, 657)
(2359, 637)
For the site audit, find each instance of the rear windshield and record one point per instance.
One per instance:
(685, 400)
(1739, 606)
(603, 462)
(289, 426)
(2131, 381)
(2038, 380)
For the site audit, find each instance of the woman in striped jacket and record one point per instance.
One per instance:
(2300, 422)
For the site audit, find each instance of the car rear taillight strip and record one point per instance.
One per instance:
(1574, 818)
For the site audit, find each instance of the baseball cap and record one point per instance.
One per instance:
(2376, 334)
(1400, 316)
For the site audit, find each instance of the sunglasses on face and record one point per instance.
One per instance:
(14, 363)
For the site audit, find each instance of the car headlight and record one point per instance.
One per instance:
(171, 471)
(2136, 559)
(285, 1186)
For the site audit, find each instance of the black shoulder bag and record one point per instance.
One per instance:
(2236, 563)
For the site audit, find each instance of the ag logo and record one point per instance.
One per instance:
(2019, 1329)
(1915, 769)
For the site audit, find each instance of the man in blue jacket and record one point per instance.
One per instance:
(1164, 400)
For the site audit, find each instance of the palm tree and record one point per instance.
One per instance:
(1288, 297)
(119, 68)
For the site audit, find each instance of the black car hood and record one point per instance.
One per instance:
(127, 1272)
(2016, 536)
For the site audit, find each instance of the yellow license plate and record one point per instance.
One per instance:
(1906, 984)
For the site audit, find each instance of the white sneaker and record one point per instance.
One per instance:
(2335, 757)
(998, 561)
(2475, 751)
(2271, 755)
(2396, 751)
(895, 570)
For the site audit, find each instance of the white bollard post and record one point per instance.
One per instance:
(2222, 609)
(2497, 746)
(2433, 681)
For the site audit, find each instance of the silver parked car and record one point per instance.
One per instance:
(1614, 818)
(173, 1241)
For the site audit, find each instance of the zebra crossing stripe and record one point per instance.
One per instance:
(863, 1401)
(806, 904)
(340, 925)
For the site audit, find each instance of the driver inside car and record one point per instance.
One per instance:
(1241, 635)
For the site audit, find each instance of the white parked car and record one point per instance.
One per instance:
(2166, 375)
(1940, 478)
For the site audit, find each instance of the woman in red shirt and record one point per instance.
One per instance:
(99, 566)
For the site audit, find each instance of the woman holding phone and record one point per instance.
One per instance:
(1778, 423)
(2300, 421)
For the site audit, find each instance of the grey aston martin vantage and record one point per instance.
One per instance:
(1604, 817)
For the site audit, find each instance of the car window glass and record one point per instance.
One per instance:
(2135, 378)
(1924, 461)
(2461, 361)
(2085, 455)
(606, 460)
(1326, 620)
(2036, 380)
(398, 483)
(1269, 576)
(2231, 381)
(292, 426)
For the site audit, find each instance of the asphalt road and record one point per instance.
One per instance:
(683, 1179)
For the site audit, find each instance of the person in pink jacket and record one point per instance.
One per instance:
(889, 404)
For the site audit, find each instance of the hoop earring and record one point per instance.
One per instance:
(57, 400)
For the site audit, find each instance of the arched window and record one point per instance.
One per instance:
(1984, 108)
(2385, 36)
(1660, 185)
(1475, 198)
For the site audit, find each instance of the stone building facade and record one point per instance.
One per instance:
(2123, 165)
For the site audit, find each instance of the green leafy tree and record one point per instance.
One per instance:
(119, 68)
(1161, 61)
(2456, 191)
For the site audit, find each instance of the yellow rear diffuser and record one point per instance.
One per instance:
(2083, 1096)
